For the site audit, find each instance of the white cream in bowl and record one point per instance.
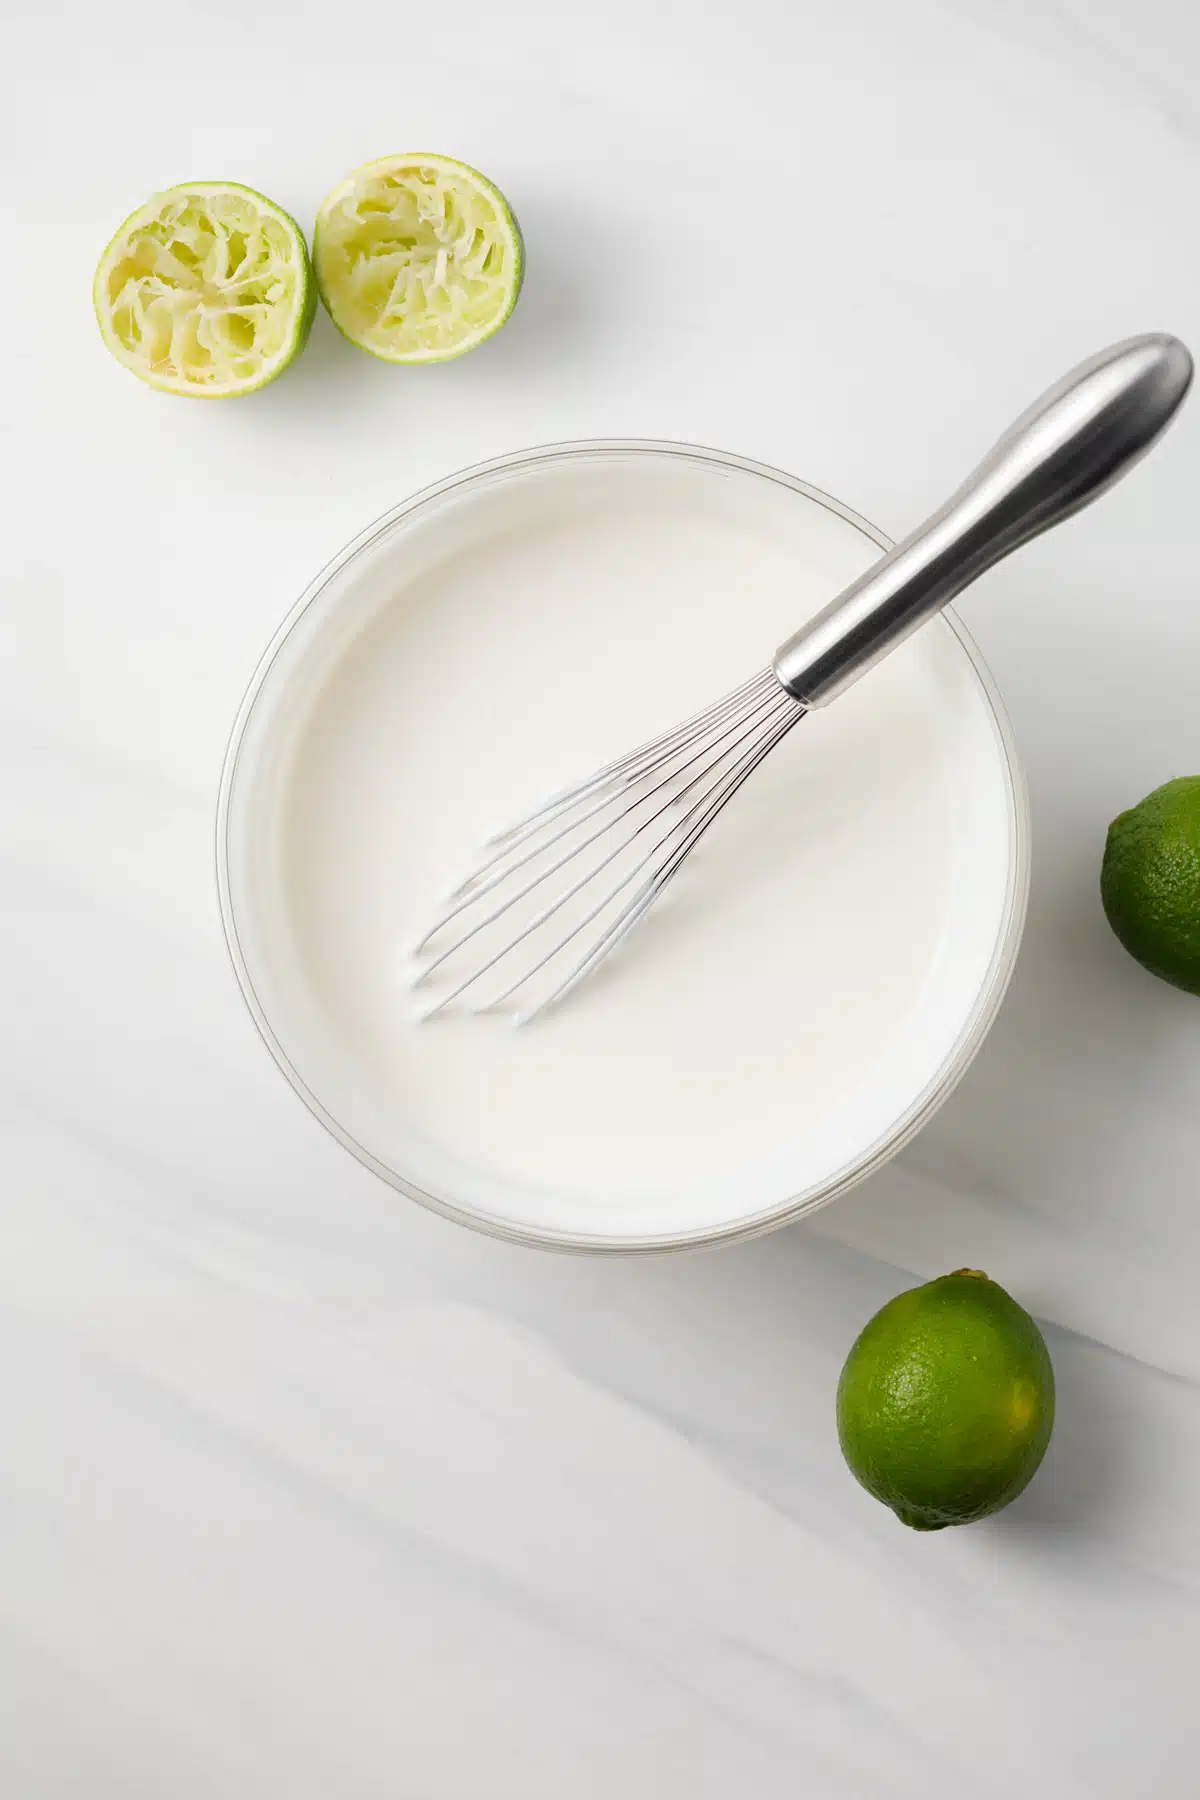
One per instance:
(812, 983)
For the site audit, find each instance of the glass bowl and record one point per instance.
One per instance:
(372, 574)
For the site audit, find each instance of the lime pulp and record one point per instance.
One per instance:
(418, 258)
(206, 290)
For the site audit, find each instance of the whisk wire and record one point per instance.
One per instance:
(687, 730)
(646, 895)
(493, 871)
(620, 848)
(726, 742)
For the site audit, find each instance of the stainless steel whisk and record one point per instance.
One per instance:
(557, 892)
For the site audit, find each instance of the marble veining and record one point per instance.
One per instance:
(305, 1492)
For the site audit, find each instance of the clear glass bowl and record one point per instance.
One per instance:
(331, 610)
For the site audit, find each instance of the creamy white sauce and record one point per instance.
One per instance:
(804, 976)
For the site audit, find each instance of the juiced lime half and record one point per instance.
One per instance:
(418, 258)
(206, 290)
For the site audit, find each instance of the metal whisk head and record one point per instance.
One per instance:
(558, 891)
(555, 893)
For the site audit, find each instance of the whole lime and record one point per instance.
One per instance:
(946, 1403)
(1150, 882)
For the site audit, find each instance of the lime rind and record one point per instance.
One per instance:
(206, 290)
(945, 1405)
(418, 258)
(1150, 882)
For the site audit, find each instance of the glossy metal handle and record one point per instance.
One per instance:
(1071, 445)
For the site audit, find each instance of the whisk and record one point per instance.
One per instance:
(555, 893)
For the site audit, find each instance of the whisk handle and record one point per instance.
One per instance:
(1071, 445)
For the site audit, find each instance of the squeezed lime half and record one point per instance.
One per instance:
(206, 290)
(417, 258)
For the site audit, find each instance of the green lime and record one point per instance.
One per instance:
(206, 290)
(1150, 882)
(946, 1402)
(418, 258)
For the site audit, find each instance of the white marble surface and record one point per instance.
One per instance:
(305, 1493)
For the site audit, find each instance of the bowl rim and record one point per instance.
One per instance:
(936, 1091)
